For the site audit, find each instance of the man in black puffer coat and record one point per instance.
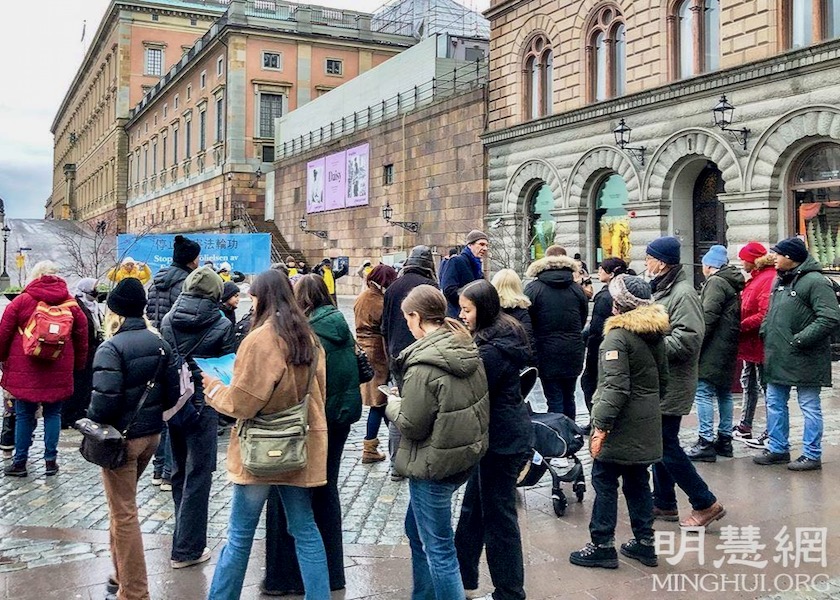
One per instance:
(195, 328)
(558, 313)
(167, 284)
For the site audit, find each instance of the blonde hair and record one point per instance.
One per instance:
(509, 286)
(429, 303)
(112, 323)
(44, 267)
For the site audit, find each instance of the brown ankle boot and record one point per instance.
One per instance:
(702, 518)
(370, 454)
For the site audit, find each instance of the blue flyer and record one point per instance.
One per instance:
(221, 367)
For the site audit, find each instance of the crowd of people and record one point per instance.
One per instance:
(446, 348)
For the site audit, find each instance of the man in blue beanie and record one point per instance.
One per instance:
(672, 290)
(797, 352)
(721, 303)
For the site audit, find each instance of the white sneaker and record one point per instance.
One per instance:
(759, 443)
(182, 564)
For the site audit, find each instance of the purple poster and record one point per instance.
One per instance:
(334, 181)
(315, 186)
(357, 175)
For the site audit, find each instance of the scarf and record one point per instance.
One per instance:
(476, 263)
(662, 282)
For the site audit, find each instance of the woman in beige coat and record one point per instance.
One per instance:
(272, 373)
(368, 316)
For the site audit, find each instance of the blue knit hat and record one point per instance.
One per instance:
(666, 249)
(716, 257)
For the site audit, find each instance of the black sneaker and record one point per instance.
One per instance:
(702, 451)
(644, 553)
(803, 463)
(772, 458)
(723, 445)
(759, 443)
(16, 470)
(595, 556)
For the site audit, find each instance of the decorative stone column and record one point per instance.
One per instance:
(751, 216)
(571, 226)
(648, 221)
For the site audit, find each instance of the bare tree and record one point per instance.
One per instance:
(507, 251)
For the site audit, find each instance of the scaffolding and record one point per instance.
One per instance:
(424, 18)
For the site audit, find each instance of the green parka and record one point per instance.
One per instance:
(632, 378)
(797, 330)
(721, 303)
(682, 344)
(344, 398)
(444, 411)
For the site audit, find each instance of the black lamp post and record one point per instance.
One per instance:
(622, 140)
(724, 113)
(319, 233)
(4, 277)
(388, 212)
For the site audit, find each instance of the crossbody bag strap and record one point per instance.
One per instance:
(150, 385)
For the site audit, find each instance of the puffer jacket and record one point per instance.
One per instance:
(344, 399)
(721, 303)
(195, 326)
(164, 291)
(444, 411)
(755, 300)
(504, 352)
(558, 312)
(797, 329)
(682, 345)
(633, 377)
(34, 379)
(122, 368)
(524, 318)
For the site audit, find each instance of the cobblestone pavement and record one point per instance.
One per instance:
(54, 531)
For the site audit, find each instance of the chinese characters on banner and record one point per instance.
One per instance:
(338, 180)
(249, 253)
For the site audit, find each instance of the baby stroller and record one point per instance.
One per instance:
(555, 436)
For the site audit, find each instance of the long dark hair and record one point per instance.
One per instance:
(311, 293)
(490, 321)
(276, 305)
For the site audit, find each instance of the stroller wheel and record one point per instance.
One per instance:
(558, 501)
(580, 490)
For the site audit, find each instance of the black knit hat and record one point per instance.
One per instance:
(792, 248)
(229, 291)
(128, 298)
(184, 251)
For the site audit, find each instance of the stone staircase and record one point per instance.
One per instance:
(280, 248)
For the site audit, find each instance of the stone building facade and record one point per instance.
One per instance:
(565, 76)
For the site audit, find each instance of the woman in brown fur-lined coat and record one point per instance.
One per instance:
(368, 316)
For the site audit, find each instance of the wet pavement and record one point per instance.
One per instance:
(780, 538)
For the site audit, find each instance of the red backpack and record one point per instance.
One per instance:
(48, 330)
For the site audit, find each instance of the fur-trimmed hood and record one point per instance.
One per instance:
(644, 321)
(762, 262)
(551, 263)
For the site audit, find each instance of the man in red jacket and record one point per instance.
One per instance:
(755, 299)
(32, 380)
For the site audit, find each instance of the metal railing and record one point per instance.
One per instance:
(240, 213)
(458, 81)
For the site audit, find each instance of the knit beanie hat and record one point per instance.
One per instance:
(614, 265)
(716, 257)
(475, 235)
(630, 291)
(184, 250)
(128, 298)
(792, 248)
(229, 290)
(204, 283)
(752, 252)
(666, 249)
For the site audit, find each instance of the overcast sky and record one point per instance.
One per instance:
(40, 59)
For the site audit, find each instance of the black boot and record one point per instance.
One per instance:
(723, 445)
(702, 451)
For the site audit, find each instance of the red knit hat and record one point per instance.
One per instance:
(752, 252)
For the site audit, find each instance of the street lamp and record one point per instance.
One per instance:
(319, 233)
(4, 277)
(622, 140)
(724, 113)
(388, 212)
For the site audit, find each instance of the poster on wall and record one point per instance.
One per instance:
(357, 175)
(334, 174)
(315, 185)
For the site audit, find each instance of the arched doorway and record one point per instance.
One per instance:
(815, 190)
(541, 226)
(611, 222)
(709, 215)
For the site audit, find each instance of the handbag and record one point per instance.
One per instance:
(273, 444)
(105, 445)
(366, 372)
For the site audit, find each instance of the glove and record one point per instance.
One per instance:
(596, 440)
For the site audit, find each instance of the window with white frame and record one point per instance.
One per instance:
(154, 61)
(163, 150)
(154, 157)
(335, 66)
(272, 61)
(220, 118)
(189, 92)
(165, 110)
(175, 136)
(202, 130)
(220, 66)
(202, 80)
(176, 101)
(271, 107)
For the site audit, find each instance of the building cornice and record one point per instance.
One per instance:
(502, 8)
(814, 58)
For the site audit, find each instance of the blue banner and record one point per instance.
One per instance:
(249, 253)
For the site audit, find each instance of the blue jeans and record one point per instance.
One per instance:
(246, 507)
(428, 525)
(778, 419)
(25, 423)
(704, 398)
(752, 379)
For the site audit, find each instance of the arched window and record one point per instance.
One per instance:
(806, 22)
(694, 28)
(612, 225)
(815, 190)
(538, 75)
(606, 55)
(541, 223)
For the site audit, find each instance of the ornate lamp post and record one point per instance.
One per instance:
(4, 277)
(319, 233)
(388, 212)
